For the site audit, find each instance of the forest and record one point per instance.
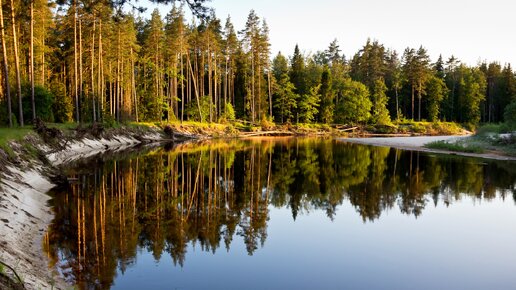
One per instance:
(90, 61)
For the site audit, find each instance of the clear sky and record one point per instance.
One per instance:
(472, 30)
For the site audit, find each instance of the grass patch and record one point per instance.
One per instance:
(12, 134)
(429, 128)
(455, 146)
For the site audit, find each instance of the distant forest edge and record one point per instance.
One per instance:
(85, 61)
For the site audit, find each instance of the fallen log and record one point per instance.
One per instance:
(267, 133)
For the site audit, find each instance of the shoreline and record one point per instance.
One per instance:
(24, 210)
(416, 143)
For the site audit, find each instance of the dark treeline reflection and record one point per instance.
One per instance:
(206, 194)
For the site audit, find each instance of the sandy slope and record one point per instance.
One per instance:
(25, 213)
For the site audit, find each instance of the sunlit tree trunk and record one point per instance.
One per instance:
(5, 66)
(76, 86)
(17, 64)
(92, 72)
(31, 60)
(133, 86)
(100, 80)
(182, 82)
(196, 90)
(80, 61)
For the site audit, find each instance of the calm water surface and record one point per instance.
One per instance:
(286, 214)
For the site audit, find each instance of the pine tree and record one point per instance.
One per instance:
(436, 92)
(380, 113)
(422, 74)
(309, 104)
(327, 97)
(252, 38)
(452, 82)
(153, 59)
(285, 99)
(297, 71)
(279, 66)
(394, 80)
(230, 48)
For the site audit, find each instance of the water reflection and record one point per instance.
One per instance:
(207, 194)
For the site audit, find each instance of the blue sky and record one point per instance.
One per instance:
(471, 30)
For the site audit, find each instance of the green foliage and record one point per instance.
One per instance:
(308, 105)
(471, 90)
(436, 91)
(327, 97)
(157, 66)
(62, 107)
(354, 106)
(4, 115)
(488, 130)
(12, 134)
(279, 66)
(229, 112)
(285, 98)
(267, 123)
(44, 101)
(297, 72)
(205, 104)
(455, 146)
(380, 114)
(510, 114)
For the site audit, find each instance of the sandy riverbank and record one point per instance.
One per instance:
(418, 143)
(24, 210)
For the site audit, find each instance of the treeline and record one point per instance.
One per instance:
(378, 85)
(86, 61)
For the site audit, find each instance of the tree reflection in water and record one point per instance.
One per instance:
(205, 194)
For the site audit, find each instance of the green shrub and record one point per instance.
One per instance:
(229, 112)
(44, 101)
(455, 146)
(205, 104)
(510, 114)
(489, 129)
(4, 115)
(62, 107)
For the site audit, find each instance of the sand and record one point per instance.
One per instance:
(418, 143)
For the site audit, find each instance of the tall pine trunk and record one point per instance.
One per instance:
(133, 87)
(270, 91)
(5, 66)
(31, 52)
(81, 92)
(182, 82)
(76, 87)
(92, 75)
(196, 90)
(100, 80)
(419, 102)
(412, 93)
(17, 64)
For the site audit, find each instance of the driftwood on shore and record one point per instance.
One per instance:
(267, 133)
(347, 129)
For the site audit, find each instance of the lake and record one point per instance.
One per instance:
(285, 213)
